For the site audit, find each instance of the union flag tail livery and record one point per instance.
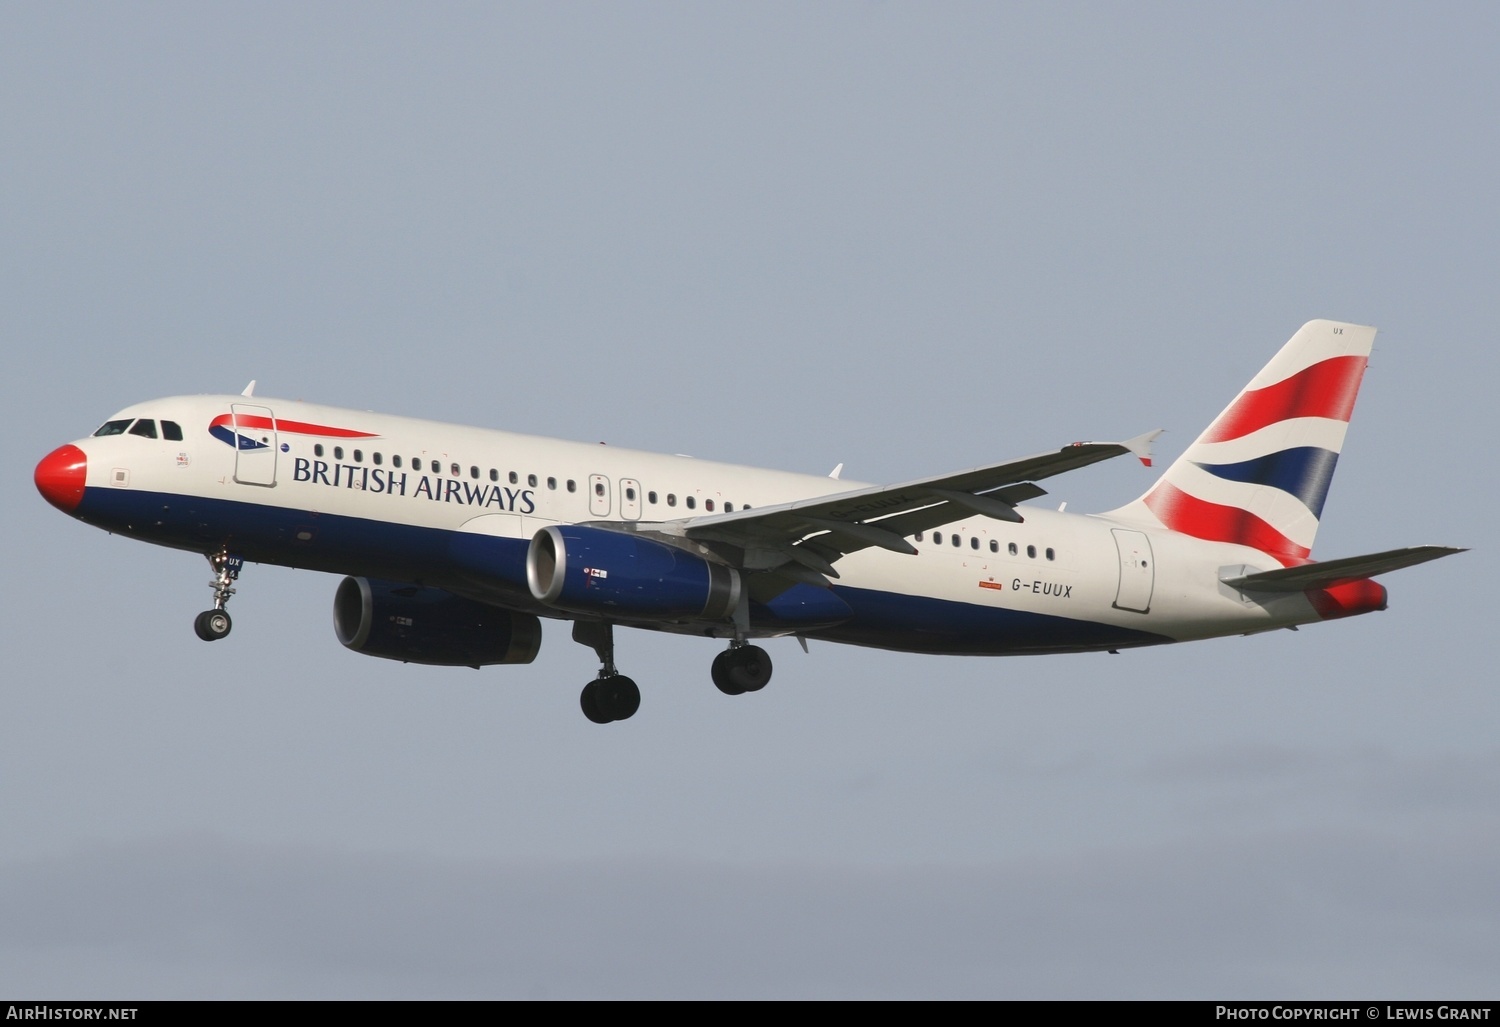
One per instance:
(1258, 475)
(458, 543)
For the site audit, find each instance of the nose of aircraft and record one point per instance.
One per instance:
(59, 477)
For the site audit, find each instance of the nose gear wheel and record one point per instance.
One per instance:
(212, 625)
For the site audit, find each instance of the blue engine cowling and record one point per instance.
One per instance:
(413, 624)
(598, 571)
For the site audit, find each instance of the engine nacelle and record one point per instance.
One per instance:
(413, 624)
(595, 570)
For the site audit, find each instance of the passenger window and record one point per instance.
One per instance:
(396, 460)
(338, 452)
(651, 498)
(1031, 552)
(729, 507)
(455, 470)
(171, 431)
(474, 472)
(671, 499)
(708, 504)
(113, 428)
(692, 502)
(1013, 550)
(317, 449)
(973, 543)
(552, 484)
(531, 480)
(599, 488)
(378, 459)
(630, 494)
(919, 536)
(514, 478)
(359, 456)
(957, 541)
(1050, 554)
(572, 485)
(994, 546)
(494, 474)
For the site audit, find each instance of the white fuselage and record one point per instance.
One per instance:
(365, 493)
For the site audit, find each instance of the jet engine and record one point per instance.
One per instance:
(413, 624)
(627, 577)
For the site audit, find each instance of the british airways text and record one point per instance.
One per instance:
(379, 480)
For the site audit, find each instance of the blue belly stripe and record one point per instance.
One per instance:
(493, 569)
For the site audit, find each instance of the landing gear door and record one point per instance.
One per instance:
(630, 499)
(1137, 575)
(255, 444)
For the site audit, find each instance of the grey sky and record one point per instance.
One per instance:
(909, 238)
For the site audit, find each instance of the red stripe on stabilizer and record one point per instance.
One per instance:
(295, 427)
(1201, 519)
(1347, 600)
(1325, 389)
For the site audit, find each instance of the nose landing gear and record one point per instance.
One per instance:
(212, 625)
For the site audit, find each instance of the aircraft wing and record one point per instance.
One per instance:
(1329, 573)
(813, 533)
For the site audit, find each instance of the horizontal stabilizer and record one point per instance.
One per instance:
(1330, 573)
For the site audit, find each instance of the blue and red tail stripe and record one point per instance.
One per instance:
(1259, 474)
(1213, 522)
(1304, 472)
(1326, 389)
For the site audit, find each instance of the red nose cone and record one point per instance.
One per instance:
(59, 477)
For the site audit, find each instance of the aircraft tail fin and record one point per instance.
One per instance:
(1259, 474)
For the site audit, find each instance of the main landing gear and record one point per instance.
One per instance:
(741, 668)
(610, 696)
(212, 625)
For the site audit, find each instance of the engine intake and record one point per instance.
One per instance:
(414, 624)
(595, 570)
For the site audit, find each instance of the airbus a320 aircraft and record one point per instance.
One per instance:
(458, 541)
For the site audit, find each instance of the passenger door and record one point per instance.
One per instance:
(255, 444)
(1137, 575)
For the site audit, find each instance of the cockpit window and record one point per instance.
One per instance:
(145, 428)
(171, 431)
(113, 427)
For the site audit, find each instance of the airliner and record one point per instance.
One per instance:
(457, 542)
